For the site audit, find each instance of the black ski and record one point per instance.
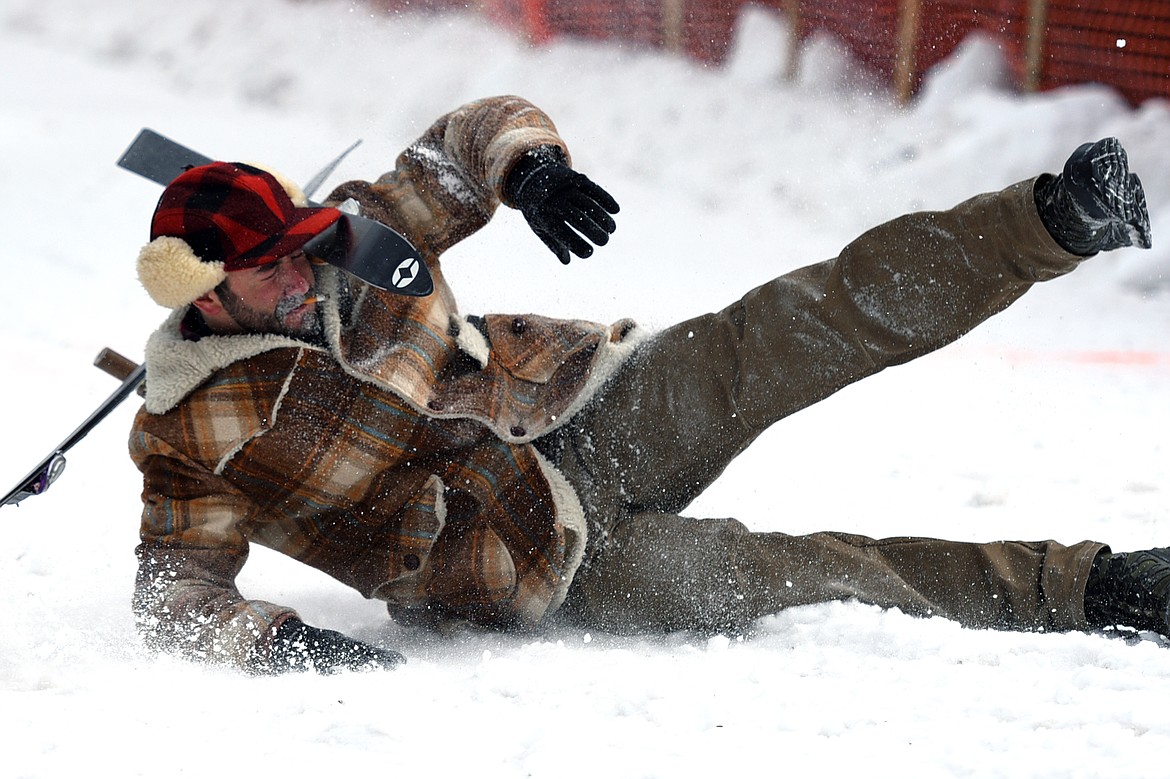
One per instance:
(368, 249)
(47, 471)
(158, 158)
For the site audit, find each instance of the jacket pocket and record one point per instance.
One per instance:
(412, 533)
(471, 567)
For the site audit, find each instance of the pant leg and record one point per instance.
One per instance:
(660, 572)
(696, 395)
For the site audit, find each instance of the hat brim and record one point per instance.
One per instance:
(305, 224)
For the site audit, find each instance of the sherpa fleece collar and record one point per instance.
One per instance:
(175, 367)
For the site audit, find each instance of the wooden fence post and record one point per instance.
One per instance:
(673, 20)
(792, 66)
(909, 18)
(1037, 32)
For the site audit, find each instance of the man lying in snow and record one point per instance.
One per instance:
(509, 470)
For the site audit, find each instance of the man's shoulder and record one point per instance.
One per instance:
(177, 368)
(231, 406)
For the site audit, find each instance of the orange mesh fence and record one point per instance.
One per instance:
(893, 37)
(869, 29)
(943, 24)
(1124, 43)
(1047, 43)
(527, 16)
(632, 21)
(702, 30)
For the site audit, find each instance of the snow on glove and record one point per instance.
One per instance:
(298, 646)
(1095, 204)
(560, 204)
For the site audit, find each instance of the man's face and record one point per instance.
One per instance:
(273, 298)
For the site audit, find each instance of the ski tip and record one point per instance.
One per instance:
(157, 158)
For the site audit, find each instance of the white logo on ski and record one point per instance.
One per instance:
(405, 273)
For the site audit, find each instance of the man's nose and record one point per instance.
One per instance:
(296, 280)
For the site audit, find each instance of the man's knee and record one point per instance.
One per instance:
(662, 572)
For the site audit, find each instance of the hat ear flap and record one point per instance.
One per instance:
(173, 274)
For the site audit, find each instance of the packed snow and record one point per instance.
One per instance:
(1051, 421)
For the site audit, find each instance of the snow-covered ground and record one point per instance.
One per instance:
(1051, 421)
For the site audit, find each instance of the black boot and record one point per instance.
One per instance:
(1131, 589)
(1095, 204)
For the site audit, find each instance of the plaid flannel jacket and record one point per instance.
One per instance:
(397, 459)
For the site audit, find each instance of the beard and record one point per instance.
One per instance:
(309, 329)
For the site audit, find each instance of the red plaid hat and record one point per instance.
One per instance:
(222, 217)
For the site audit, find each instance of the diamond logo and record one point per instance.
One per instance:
(405, 273)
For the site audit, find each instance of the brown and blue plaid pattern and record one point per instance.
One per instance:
(386, 463)
(287, 450)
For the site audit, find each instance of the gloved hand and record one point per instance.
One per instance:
(559, 203)
(298, 646)
(1095, 204)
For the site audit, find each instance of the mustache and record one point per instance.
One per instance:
(291, 303)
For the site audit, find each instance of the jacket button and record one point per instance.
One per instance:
(519, 432)
(411, 562)
(519, 325)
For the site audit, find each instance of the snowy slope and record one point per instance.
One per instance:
(1049, 422)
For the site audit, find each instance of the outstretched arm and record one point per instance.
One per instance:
(448, 183)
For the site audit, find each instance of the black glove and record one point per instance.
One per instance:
(1096, 204)
(300, 647)
(559, 203)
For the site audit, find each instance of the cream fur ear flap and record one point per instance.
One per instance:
(173, 275)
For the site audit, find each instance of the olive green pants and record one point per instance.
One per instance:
(696, 395)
